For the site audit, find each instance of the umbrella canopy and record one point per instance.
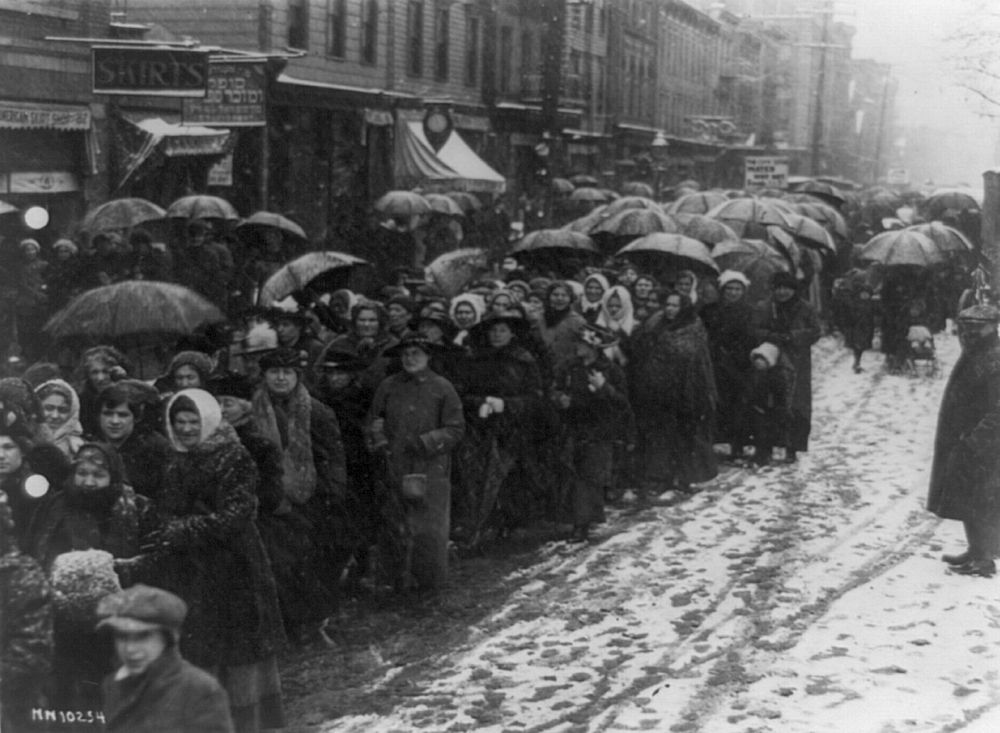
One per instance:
(586, 223)
(588, 193)
(705, 229)
(543, 239)
(635, 223)
(131, 308)
(561, 185)
(697, 203)
(466, 201)
(825, 191)
(812, 233)
(202, 206)
(683, 251)
(453, 270)
(121, 214)
(690, 183)
(632, 202)
(747, 216)
(823, 214)
(402, 203)
(269, 220)
(948, 239)
(956, 199)
(441, 204)
(302, 271)
(902, 247)
(637, 188)
(582, 180)
(755, 259)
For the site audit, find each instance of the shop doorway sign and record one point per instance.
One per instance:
(235, 97)
(43, 182)
(766, 171)
(221, 172)
(158, 72)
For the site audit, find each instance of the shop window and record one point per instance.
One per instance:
(415, 37)
(471, 51)
(369, 31)
(298, 24)
(442, 43)
(337, 41)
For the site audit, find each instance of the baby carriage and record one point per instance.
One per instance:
(921, 357)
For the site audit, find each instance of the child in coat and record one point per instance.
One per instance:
(769, 401)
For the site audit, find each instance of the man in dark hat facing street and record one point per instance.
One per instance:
(965, 475)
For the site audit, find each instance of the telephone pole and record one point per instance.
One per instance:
(817, 131)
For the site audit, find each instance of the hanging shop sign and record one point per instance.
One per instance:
(33, 116)
(221, 172)
(235, 97)
(766, 171)
(158, 72)
(43, 182)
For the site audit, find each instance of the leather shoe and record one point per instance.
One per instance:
(957, 559)
(982, 568)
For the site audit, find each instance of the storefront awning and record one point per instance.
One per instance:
(141, 141)
(455, 164)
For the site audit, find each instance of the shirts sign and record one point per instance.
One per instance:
(766, 171)
(158, 72)
(235, 97)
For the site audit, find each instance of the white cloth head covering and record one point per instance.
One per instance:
(769, 352)
(208, 410)
(626, 321)
(729, 276)
(602, 281)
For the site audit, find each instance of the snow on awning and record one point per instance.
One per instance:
(455, 163)
(186, 139)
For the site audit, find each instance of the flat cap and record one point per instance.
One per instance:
(141, 608)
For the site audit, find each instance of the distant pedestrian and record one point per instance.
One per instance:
(155, 690)
(965, 475)
(859, 326)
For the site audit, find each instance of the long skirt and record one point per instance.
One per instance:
(254, 692)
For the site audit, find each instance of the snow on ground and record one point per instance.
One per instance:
(798, 599)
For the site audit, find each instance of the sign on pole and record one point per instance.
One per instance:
(235, 96)
(158, 72)
(766, 171)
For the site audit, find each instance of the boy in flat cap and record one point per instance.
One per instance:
(155, 690)
(965, 475)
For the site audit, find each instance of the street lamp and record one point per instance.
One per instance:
(659, 148)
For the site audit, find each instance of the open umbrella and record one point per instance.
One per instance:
(825, 191)
(812, 233)
(121, 214)
(308, 270)
(269, 220)
(700, 202)
(632, 202)
(748, 216)
(131, 308)
(202, 206)
(442, 204)
(755, 259)
(637, 188)
(453, 270)
(957, 199)
(585, 224)
(824, 214)
(561, 185)
(588, 193)
(635, 223)
(466, 201)
(684, 252)
(948, 239)
(402, 203)
(545, 239)
(902, 247)
(705, 229)
(582, 180)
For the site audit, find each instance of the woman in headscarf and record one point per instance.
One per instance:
(502, 394)
(594, 288)
(96, 366)
(466, 311)
(314, 481)
(96, 511)
(60, 424)
(128, 416)
(560, 325)
(674, 399)
(501, 301)
(731, 337)
(208, 551)
(617, 317)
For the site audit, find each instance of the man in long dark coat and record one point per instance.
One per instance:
(789, 322)
(965, 475)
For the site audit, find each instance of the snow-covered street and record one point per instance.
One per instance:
(798, 599)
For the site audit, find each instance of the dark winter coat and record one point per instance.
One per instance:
(604, 415)
(209, 552)
(171, 696)
(145, 455)
(965, 474)
(859, 329)
(794, 328)
(25, 633)
(559, 332)
(731, 337)
(208, 270)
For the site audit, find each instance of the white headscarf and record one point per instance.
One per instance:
(68, 437)
(625, 323)
(208, 410)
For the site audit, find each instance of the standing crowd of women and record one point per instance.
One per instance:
(257, 479)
